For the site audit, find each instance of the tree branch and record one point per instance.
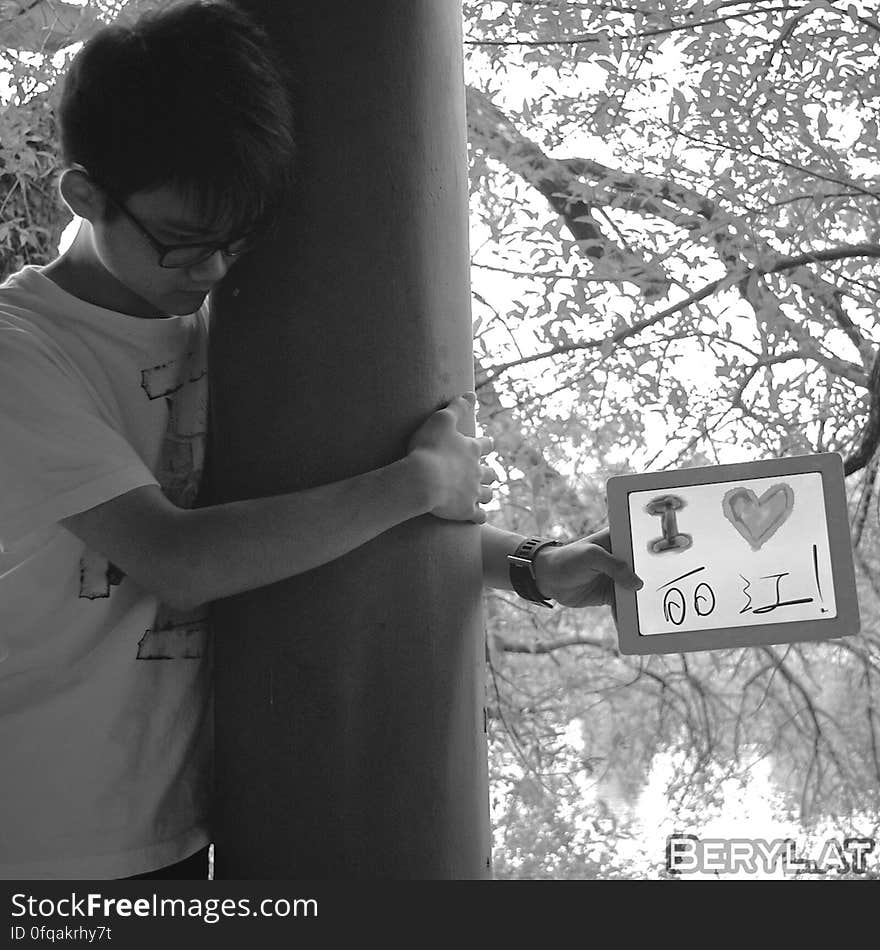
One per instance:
(830, 296)
(629, 37)
(780, 265)
(864, 505)
(870, 436)
(538, 647)
(491, 130)
(42, 27)
(834, 367)
(772, 159)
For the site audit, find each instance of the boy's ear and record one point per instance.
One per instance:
(80, 193)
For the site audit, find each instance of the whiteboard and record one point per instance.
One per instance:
(734, 555)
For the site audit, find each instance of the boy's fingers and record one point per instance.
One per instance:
(602, 537)
(618, 570)
(488, 474)
(463, 406)
(486, 445)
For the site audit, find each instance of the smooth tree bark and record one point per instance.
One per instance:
(350, 699)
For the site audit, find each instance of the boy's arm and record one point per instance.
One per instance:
(581, 573)
(496, 545)
(190, 556)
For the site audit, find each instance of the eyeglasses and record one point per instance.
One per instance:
(186, 255)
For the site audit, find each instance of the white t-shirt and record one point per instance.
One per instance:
(105, 722)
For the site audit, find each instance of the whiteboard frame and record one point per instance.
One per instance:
(847, 622)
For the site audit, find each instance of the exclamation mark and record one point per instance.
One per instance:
(816, 572)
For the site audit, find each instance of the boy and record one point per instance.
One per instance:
(176, 136)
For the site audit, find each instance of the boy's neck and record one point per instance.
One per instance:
(80, 272)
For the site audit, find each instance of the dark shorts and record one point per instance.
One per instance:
(193, 868)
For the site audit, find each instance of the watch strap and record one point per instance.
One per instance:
(522, 569)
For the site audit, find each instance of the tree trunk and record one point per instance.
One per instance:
(349, 700)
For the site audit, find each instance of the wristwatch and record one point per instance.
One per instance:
(522, 569)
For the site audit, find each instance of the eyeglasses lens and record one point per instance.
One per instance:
(196, 253)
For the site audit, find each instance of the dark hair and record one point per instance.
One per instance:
(190, 96)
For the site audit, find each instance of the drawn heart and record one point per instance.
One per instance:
(758, 519)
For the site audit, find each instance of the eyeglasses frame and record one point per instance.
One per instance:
(163, 250)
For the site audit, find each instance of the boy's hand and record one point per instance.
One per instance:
(449, 462)
(583, 573)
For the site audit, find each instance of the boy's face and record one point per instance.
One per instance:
(145, 288)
